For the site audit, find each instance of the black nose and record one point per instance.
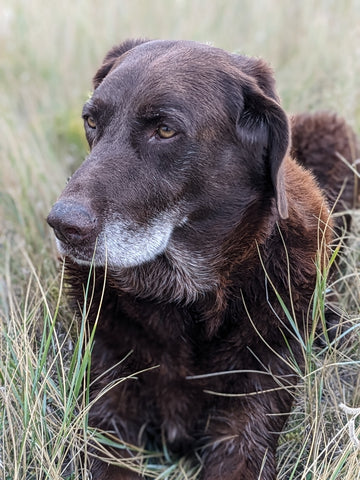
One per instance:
(72, 222)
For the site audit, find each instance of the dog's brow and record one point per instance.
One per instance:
(93, 105)
(153, 113)
(149, 115)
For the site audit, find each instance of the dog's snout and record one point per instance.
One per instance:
(72, 222)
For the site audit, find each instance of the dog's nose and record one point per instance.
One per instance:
(72, 222)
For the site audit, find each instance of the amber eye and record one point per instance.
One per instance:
(91, 122)
(165, 132)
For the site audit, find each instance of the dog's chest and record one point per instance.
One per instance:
(163, 347)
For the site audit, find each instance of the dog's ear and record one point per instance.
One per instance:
(258, 70)
(112, 57)
(264, 127)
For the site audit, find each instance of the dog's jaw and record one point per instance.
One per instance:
(124, 244)
(120, 245)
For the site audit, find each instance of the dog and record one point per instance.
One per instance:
(204, 237)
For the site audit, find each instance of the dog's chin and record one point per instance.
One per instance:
(115, 255)
(123, 244)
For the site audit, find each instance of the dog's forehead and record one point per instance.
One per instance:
(168, 73)
(165, 66)
(175, 56)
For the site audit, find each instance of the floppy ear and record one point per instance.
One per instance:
(264, 126)
(112, 57)
(258, 70)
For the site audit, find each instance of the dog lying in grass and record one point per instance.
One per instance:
(206, 238)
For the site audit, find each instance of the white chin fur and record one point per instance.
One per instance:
(121, 245)
(124, 244)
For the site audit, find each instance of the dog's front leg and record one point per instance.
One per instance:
(242, 445)
(103, 471)
(240, 464)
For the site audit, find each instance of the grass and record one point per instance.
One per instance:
(49, 52)
(43, 392)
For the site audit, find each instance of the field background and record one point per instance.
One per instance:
(48, 54)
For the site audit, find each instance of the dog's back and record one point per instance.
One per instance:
(324, 143)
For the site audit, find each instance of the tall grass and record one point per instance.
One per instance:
(49, 52)
(43, 395)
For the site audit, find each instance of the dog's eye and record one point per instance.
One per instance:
(165, 132)
(90, 121)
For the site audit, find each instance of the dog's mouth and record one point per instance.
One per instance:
(119, 244)
(66, 238)
(83, 255)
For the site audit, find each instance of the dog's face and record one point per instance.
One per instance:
(180, 134)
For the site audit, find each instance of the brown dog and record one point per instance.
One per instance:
(206, 234)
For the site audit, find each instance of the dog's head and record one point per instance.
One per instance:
(184, 137)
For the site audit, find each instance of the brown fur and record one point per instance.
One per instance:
(247, 223)
(324, 136)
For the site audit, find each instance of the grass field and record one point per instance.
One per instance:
(48, 54)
